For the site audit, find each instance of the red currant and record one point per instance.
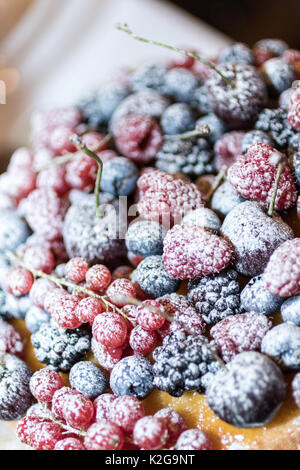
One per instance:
(40, 257)
(104, 436)
(39, 290)
(142, 341)
(70, 443)
(78, 411)
(121, 291)
(174, 422)
(148, 315)
(88, 309)
(76, 269)
(63, 312)
(19, 281)
(193, 439)
(126, 411)
(102, 406)
(44, 383)
(110, 329)
(98, 277)
(150, 433)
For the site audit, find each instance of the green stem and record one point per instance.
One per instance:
(125, 28)
(78, 142)
(200, 131)
(276, 185)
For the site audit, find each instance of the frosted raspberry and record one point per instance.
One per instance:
(76, 269)
(174, 422)
(98, 277)
(253, 177)
(228, 148)
(21, 158)
(142, 341)
(110, 329)
(102, 406)
(138, 137)
(63, 312)
(193, 439)
(190, 251)
(165, 197)
(296, 389)
(88, 309)
(11, 340)
(81, 172)
(126, 411)
(149, 316)
(121, 291)
(294, 110)
(104, 435)
(45, 435)
(239, 333)
(18, 183)
(282, 274)
(45, 213)
(40, 257)
(60, 140)
(107, 358)
(78, 411)
(18, 281)
(44, 383)
(53, 178)
(70, 443)
(150, 433)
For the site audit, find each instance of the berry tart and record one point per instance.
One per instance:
(149, 260)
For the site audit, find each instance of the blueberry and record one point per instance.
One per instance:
(216, 126)
(13, 231)
(91, 111)
(279, 74)
(35, 317)
(203, 217)
(282, 343)
(237, 52)
(177, 119)
(15, 395)
(254, 137)
(248, 392)
(285, 99)
(294, 143)
(290, 310)
(60, 270)
(110, 96)
(256, 298)
(153, 278)
(201, 101)
(225, 199)
(14, 307)
(145, 238)
(88, 379)
(150, 77)
(181, 85)
(119, 177)
(132, 376)
(275, 46)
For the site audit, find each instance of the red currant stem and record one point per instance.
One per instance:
(276, 185)
(132, 301)
(62, 282)
(199, 131)
(78, 142)
(218, 180)
(125, 28)
(47, 415)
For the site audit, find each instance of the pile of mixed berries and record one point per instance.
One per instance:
(180, 291)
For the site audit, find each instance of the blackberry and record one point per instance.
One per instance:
(256, 298)
(254, 137)
(294, 143)
(279, 74)
(203, 217)
(110, 96)
(282, 344)
(216, 296)
(192, 158)
(148, 102)
(35, 317)
(225, 199)
(184, 363)
(296, 163)
(201, 102)
(237, 52)
(248, 392)
(60, 349)
(88, 379)
(119, 177)
(216, 127)
(132, 376)
(145, 238)
(177, 119)
(15, 395)
(87, 236)
(238, 104)
(181, 85)
(153, 278)
(275, 122)
(13, 231)
(150, 77)
(290, 310)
